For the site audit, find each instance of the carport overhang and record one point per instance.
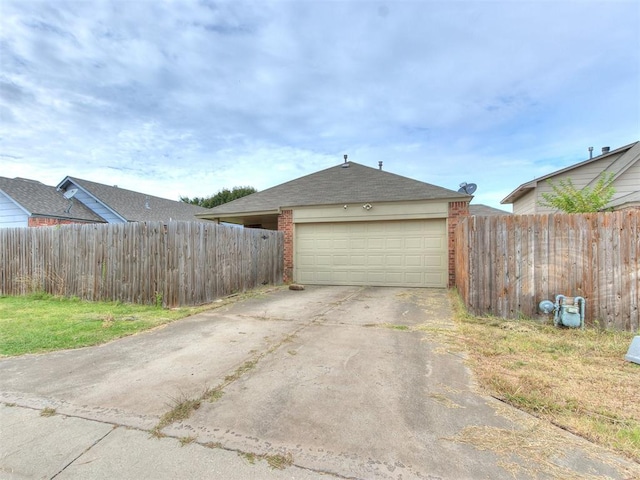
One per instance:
(267, 219)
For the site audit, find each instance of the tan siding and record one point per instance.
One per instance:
(374, 211)
(628, 182)
(525, 205)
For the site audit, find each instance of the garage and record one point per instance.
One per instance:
(355, 225)
(403, 253)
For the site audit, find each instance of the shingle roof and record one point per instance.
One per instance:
(480, 210)
(136, 206)
(39, 199)
(345, 183)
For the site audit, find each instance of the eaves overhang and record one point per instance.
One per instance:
(221, 216)
(519, 192)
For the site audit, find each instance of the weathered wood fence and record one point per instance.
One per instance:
(179, 263)
(506, 265)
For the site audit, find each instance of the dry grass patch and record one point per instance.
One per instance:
(181, 410)
(576, 379)
(277, 461)
(186, 440)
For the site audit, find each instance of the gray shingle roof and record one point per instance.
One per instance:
(45, 201)
(480, 210)
(335, 185)
(136, 206)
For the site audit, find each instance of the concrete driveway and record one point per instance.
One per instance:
(345, 382)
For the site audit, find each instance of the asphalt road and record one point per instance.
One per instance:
(330, 382)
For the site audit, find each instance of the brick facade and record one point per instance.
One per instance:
(48, 221)
(456, 210)
(285, 224)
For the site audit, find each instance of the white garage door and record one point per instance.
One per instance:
(407, 253)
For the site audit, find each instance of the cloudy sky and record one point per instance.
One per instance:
(184, 98)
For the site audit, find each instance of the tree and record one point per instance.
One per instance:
(567, 198)
(223, 196)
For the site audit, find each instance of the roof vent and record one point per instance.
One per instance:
(380, 164)
(605, 150)
(345, 164)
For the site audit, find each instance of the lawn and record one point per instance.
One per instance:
(576, 379)
(42, 323)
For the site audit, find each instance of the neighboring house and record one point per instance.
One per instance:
(29, 203)
(356, 225)
(480, 210)
(623, 162)
(118, 205)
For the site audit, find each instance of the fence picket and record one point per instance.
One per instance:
(506, 265)
(183, 263)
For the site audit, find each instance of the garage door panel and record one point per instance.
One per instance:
(393, 253)
(414, 277)
(414, 243)
(306, 260)
(358, 243)
(435, 243)
(375, 260)
(375, 243)
(394, 243)
(323, 260)
(358, 260)
(414, 261)
(395, 261)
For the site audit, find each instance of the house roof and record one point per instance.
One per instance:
(38, 199)
(134, 206)
(632, 153)
(480, 210)
(348, 182)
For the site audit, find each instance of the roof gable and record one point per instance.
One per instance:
(133, 206)
(38, 199)
(348, 182)
(630, 155)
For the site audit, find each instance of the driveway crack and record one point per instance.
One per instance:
(83, 452)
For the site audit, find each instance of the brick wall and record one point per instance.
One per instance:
(48, 222)
(456, 210)
(285, 224)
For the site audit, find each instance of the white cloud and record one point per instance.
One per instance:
(188, 97)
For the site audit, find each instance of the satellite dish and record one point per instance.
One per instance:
(468, 188)
(69, 194)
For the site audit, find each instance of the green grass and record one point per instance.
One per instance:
(41, 323)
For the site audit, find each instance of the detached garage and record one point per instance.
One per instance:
(355, 225)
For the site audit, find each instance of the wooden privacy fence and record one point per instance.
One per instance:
(179, 263)
(506, 265)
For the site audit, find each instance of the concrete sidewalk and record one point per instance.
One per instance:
(61, 447)
(330, 382)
